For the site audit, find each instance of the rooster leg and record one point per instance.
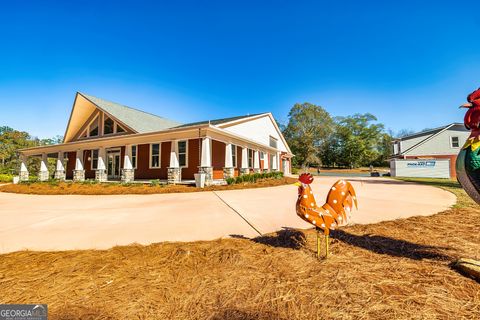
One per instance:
(318, 242)
(326, 246)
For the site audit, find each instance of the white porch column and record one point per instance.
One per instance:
(101, 172)
(23, 168)
(174, 172)
(228, 155)
(228, 170)
(244, 169)
(275, 162)
(174, 155)
(43, 174)
(127, 158)
(256, 161)
(266, 161)
(79, 172)
(102, 159)
(60, 167)
(206, 160)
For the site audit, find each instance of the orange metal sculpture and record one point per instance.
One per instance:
(334, 213)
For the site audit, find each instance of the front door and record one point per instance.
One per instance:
(113, 167)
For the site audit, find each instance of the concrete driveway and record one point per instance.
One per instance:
(80, 222)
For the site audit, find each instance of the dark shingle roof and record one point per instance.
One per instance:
(138, 120)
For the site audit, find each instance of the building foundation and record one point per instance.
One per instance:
(101, 175)
(208, 174)
(128, 175)
(228, 173)
(174, 175)
(60, 175)
(78, 175)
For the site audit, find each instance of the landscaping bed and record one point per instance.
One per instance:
(391, 270)
(94, 188)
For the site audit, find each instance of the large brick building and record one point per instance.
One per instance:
(109, 141)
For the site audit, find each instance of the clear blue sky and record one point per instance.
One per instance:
(411, 63)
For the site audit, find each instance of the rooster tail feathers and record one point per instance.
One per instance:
(340, 201)
(353, 194)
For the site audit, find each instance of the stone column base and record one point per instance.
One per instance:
(208, 174)
(244, 171)
(23, 175)
(60, 175)
(128, 175)
(43, 176)
(266, 170)
(228, 173)
(256, 170)
(101, 175)
(174, 175)
(78, 175)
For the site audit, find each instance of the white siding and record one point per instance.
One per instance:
(439, 168)
(441, 144)
(408, 143)
(258, 130)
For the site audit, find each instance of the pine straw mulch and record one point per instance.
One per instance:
(391, 270)
(90, 188)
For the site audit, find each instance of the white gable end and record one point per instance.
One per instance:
(259, 130)
(441, 144)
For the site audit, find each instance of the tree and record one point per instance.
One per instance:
(360, 142)
(308, 128)
(12, 140)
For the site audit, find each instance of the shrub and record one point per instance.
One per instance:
(6, 178)
(155, 182)
(230, 181)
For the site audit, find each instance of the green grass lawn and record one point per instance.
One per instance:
(463, 200)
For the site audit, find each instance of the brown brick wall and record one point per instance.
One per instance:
(218, 159)
(70, 165)
(193, 159)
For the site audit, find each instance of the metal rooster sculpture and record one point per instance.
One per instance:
(468, 160)
(468, 169)
(334, 213)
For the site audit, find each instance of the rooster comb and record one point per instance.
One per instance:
(306, 178)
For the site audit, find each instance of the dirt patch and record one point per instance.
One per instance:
(68, 188)
(391, 270)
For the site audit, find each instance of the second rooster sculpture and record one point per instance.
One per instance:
(334, 213)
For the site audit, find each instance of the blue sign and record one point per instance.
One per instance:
(421, 164)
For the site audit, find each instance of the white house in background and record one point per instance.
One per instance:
(105, 141)
(431, 153)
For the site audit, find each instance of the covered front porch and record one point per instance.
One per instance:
(171, 158)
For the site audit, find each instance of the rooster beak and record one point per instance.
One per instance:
(298, 184)
(466, 105)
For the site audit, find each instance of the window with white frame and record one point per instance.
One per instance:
(134, 157)
(234, 155)
(182, 154)
(94, 159)
(262, 155)
(455, 142)
(273, 142)
(155, 155)
(250, 158)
